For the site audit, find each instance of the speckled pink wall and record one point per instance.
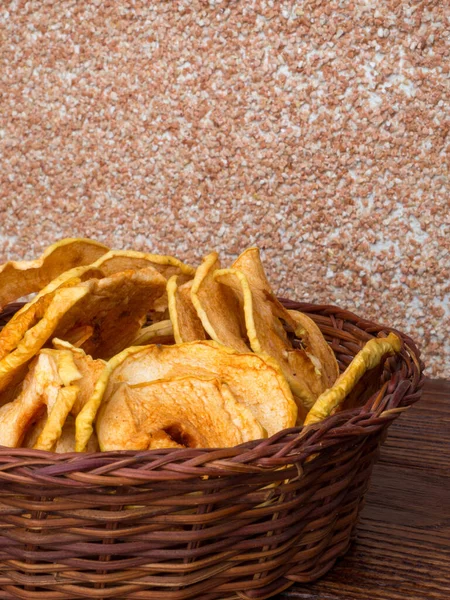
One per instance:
(317, 130)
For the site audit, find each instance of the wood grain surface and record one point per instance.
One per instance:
(402, 549)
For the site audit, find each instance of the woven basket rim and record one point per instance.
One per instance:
(343, 423)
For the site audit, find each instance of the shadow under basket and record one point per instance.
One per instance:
(235, 523)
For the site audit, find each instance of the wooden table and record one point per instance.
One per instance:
(402, 550)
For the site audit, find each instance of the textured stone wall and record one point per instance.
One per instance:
(317, 130)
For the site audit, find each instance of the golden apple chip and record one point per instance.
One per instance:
(110, 263)
(120, 260)
(217, 306)
(266, 334)
(43, 393)
(66, 441)
(160, 332)
(56, 418)
(27, 313)
(316, 345)
(14, 363)
(55, 430)
(187, 326)
(57, 385)
(109, 311)
(368, 358)
(267, 321)
(89, 370)
(115, 261)
(116, 307)
(13, 332)
(20, 278)
(186, 412)
(256, 381)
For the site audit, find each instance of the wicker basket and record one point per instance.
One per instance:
(238, 523)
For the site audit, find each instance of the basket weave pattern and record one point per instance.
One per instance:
(235, 523)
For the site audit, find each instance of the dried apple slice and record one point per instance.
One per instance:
(20, 278)
(316, 345)
(367, 358)
(256, 381)
(160, 332)
(217, 307)
(187, 326)
(110, 263)
(119, 260)
(89, 369)
(43, 391)
(66, 441)
(186, 412)
(13, 332)
(115, 261)
(115, 307)
(55, 430)
(267, 334)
